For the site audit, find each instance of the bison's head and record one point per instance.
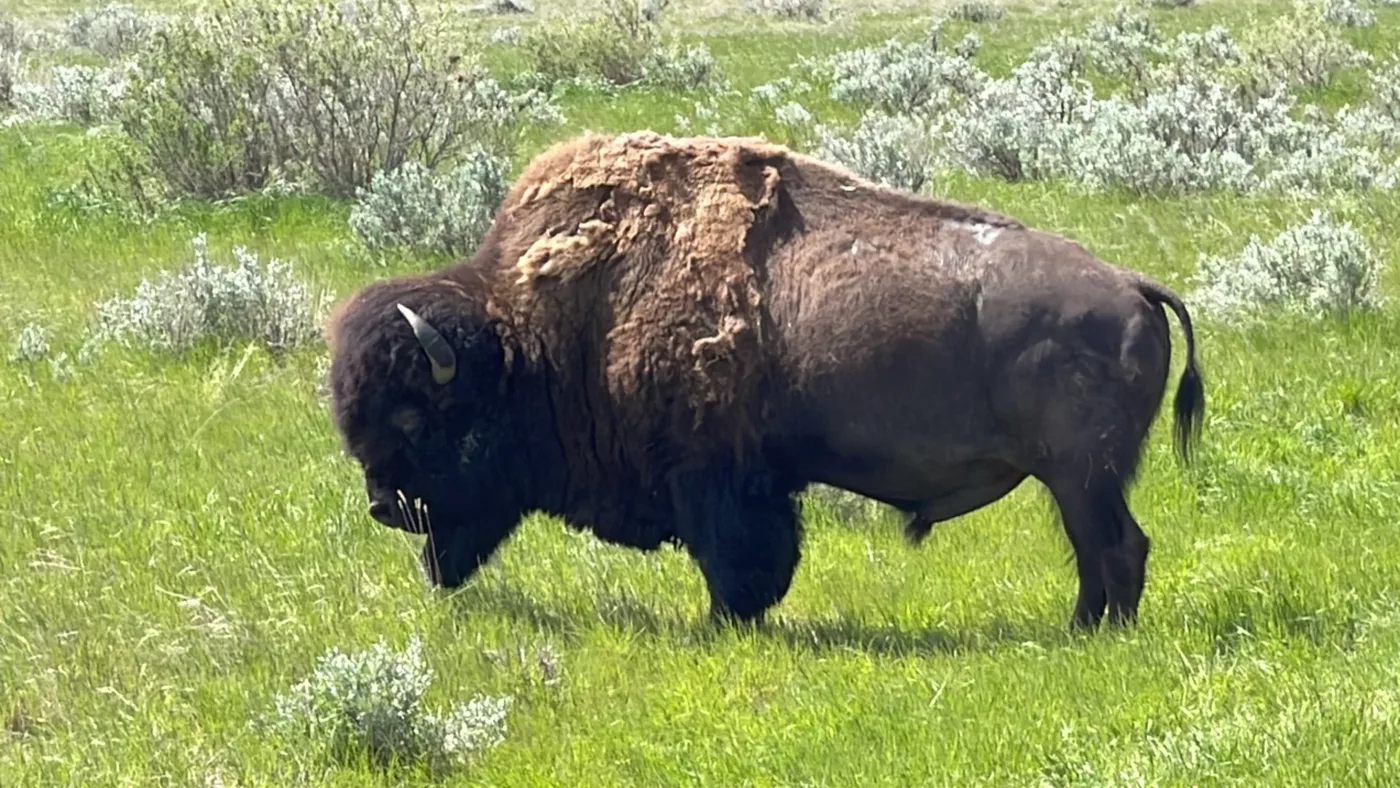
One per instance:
(420, 386)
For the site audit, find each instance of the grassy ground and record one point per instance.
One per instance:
(183, 539)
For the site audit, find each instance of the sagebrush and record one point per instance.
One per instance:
(85, 95)
(1319, 267)
(446, 212)
(978, 10)
(1193, 112)
(30, 344)
(623, 45)
(894, 150)
(248, 301)
(113, 29)
(10, 61)
(371, 702)
(324, 97)
(790, 9)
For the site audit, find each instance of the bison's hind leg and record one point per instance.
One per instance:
(1110, 548)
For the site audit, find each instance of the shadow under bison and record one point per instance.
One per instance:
(837, 633)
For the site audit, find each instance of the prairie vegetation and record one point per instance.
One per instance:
(195, 595)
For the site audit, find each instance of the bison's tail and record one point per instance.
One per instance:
(1190, 405)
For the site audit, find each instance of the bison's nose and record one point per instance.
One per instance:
(384, 512)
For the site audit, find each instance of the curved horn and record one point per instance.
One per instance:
(440, 354)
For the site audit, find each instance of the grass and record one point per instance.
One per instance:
(183, 539)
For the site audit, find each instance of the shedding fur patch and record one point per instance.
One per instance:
(982, 232)
(641, 242)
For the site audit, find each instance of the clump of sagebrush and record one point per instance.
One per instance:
(1384, 106)
(1024, 126)
(1320, 267)
(1296, 49)
(1347, 13)
(679, 67)
(789, 9)
(894, 150)
(1194, 112)
(249, 301)
(112, 29)
(30, 344)
(322, 95)
(370, 703)
(1385, 87)
(10, 62)
(503, 7)
(1183, 140)
(621, 46)
(1279, 53)
(86, 95)
(707, 113)
(1351, 150)
(447, 211)
(896, 77)
(506, 35)
(795, 120)
(977, 10)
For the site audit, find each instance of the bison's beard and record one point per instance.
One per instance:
(456, 547)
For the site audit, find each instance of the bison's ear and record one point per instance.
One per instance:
(440, 353)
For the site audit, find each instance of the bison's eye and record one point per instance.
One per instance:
(409, 421)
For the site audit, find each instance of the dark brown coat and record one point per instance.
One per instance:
(664, 339)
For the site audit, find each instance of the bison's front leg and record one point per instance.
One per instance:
(746, 540)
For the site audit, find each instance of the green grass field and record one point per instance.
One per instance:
(182, 539)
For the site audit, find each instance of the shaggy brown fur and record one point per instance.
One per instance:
(663, 339)
(646, 255)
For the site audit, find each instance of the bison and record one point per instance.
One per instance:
(667, 339)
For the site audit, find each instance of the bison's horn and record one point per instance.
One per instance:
(440, 354)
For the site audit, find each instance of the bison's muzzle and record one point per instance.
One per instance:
(387, 513)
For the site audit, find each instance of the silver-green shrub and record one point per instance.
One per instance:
(506, 35)
(1385, 89)
(248, 301)
(1197, 111)
(789, 9)
(1347, 13)
(447, 211)
(894, 150)
(30, 344)
(623, 45)
(1297, 49)
(371, 703)
(1317, 267)
(977, 11)
(85, 95)
(680, 67)
(11, 61)
(1193, 136)
(323, 95)
(1351, 150)
(9, 75)
(113, 29)
(896, 77)
(844, 506)
(1023, 126)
